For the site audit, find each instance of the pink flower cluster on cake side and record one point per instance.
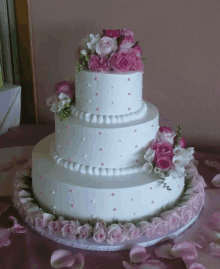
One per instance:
(115, 50)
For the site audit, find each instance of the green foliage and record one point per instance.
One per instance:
(65, 112)
(178, 132)
(83, 60)
(29, 176)
(144, 59)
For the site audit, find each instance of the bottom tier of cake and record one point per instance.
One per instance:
(87, 197)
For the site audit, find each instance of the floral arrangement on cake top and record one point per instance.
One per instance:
(62, 101)
(113, 50)
(167, 155)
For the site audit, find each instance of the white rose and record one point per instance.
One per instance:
(91, 42)
(83, 52)
(165, 137)
(54, 108)
(64, 97)
(180, 161)
(178, 150)
(157, 170)
(149, 155)
(148, 167)
(106, 46)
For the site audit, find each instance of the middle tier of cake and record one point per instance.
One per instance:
(104, 149)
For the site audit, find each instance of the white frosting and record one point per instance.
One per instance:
(108, 93)
(112, 146)
(105, 119)
(85, 197)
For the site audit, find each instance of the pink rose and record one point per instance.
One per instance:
(163, 162)
(165, 129)
(52, 99)
(31, 216)
(182, 142)
(128, 33)
(66, 88)
(161, 226)
(165, 135)
(69, 228)
(147, 229)
(99, 232)
(99, 63)
(106, 46)
(112, 33)
(185, 213)
(126, 45)
(133, 231)
(43, 220)
(4, 235)
(54, 227)
(173, 219)
(117, 233)
(85, 231)
(137, 65)
(137, 50)
(163, 148)
(120, 62)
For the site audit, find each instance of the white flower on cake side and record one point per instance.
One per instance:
(58, 105)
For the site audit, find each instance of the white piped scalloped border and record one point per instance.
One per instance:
(105, 119)
(86, 169)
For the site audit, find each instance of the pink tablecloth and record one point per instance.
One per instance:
(32, 251)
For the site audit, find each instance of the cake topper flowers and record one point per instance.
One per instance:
(167, 155)
(113, 50)
(62, 103)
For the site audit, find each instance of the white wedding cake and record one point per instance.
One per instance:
(108, 161)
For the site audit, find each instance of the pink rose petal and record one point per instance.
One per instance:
(164, 252)
(214, 221)
(17, 228)
(138, 254)
(214, 249)
(198, 241)
(197, 266)
(185, 250)
(63, 258)
(216, 181)
(130, 265)
(152, 264)
(210, 235)
(215, 164)
(4, 234)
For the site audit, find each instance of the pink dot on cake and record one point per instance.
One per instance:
(70, 159)
(72, 205)
(97, 94)
(136, 161)
(100, 133)
(135, 130)
(40, 177)
(115, 209)
(152, 125)
(136, 146)
(67, 127)
(100, 149)
(129, 79)
(71, 190)
(178, 186)
(152, 202)
(80, 75)
(150, 188)
(41, 193)
(129, 108)
(113, 194)
(81, 91)
(69, 143)
(98, 109)
(102, 164)
(129, 93)
(96, 78)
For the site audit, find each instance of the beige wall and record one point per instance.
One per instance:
(180, 39)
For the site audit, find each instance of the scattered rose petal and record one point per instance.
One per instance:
(198, 241)
(214, 249)
(17, 228)
(164, 252)
(214, 221)
(4, 234)
(210, 235)
(197, 266)
(152, 264)
(216, 181)
(206, 162)
(63, 258)
(185, 250)
(129, 265)
(138, 254)
(215, 164)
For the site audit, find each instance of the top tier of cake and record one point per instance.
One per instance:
(109, 93)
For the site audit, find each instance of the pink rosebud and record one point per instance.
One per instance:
(133, 231)
(112, 33)
(54, 227)
(120, 62)
(126, 46)
(85, 231)
(100, 232)
(163, 162)
(117, 233)
(66, 88)
(163, 148)
(98, 63)
(182, 142)
(161, 226)
(4, 235)
(69, 228)
(137, 65)
(137, 50)
(147, 229)
(185, 213)
(126, 32)
(165, 129)
(173, 219)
